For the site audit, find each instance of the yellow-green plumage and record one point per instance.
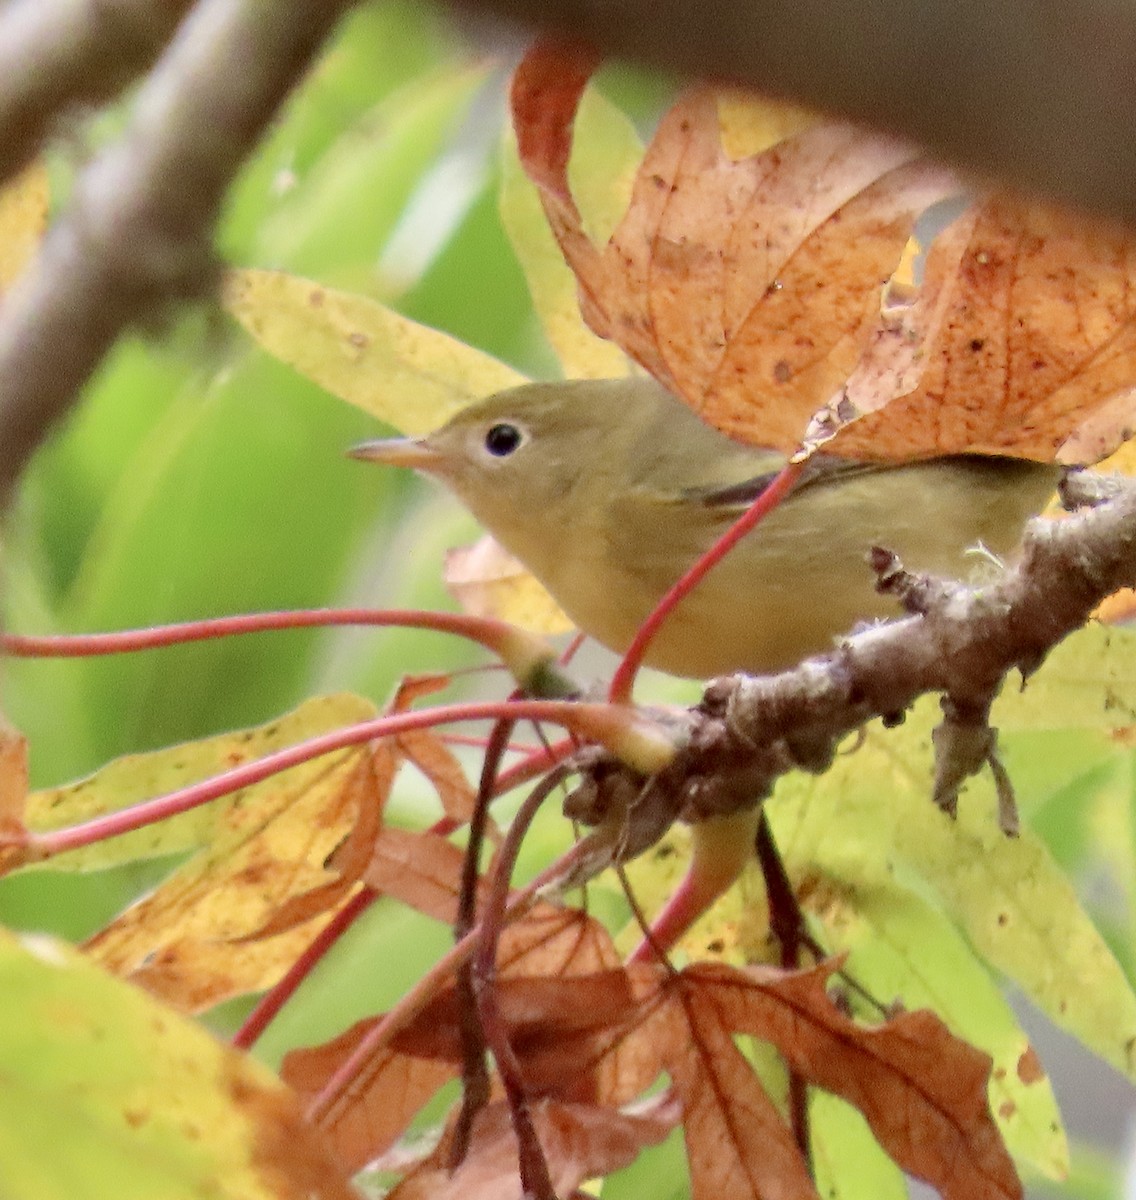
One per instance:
(614, 488)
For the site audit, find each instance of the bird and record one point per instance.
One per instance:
(608, 490)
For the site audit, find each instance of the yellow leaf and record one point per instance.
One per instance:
(149, 1104)
(872, 812)
(750, 124)
(138, 777)
(404, 373)
(210, 930)
(488, 581)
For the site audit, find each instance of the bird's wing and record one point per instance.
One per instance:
(819, 470)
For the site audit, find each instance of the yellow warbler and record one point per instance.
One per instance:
(607, 490)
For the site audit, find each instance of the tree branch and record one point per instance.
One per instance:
(138, 232)
(960, 642)
(1032, 92)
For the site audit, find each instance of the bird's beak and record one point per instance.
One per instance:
(398, 452)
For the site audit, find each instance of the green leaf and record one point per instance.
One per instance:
(1087, 682)
(848, 1161)
(337, 221)
(871, 814)
(239, 499)
(378, 49)
(902, 947)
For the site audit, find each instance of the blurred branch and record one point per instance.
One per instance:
(138, 232)
(1033, 92)
(55, 55)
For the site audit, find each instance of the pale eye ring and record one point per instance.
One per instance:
(502, 439)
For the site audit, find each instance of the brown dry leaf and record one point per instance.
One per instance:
(425, 750)
(578, 1043)
(538, 953)
(579, 1141)
(748, 287)
(419, 869)
(1022, 341)
(210, 931)
(412, 688)
(550, 940)
(382, 1100)
(487, 581)
(581, 1040)
(737, 1143)
(599, 1035)
(922, 1091)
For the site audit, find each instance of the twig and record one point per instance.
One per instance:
(535, 1179)
(475, 1070)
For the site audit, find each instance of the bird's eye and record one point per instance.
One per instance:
(502, 439)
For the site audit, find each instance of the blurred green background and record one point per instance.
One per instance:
(200, 477)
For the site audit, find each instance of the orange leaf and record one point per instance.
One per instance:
(748, 287)
(375, 1105)
(575, 1043)
(440, 765)
(382, 1099)
(422, 870)
(1023, 338)
(555, 941)
(428, 753)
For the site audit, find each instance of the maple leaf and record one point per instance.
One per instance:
(922, 1091)
(235, 916)
(1022, 341)
(747, 286)
(549, 945)
(147, 1099)
(407, 374)
(756, 288)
